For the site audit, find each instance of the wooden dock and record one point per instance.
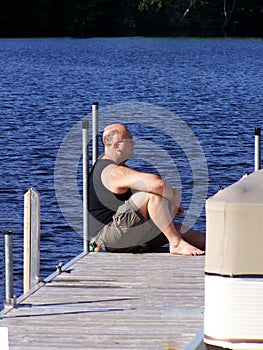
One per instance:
(113, 301)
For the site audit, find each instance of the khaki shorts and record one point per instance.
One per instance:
(128, 228)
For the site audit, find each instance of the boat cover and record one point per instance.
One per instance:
(234, 228)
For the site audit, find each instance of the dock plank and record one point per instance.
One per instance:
(113, 301)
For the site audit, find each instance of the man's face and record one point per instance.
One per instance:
(126, 145)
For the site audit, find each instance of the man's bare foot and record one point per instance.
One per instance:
(184, 248)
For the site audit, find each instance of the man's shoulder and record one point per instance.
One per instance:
(100, 165)
(102, 162)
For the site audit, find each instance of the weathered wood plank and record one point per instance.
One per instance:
(114, 301)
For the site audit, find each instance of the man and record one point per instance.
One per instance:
(129, 208)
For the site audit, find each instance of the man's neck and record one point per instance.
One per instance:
(113, 158)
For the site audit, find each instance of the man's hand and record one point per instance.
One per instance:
(180, 210)
(175, 206)
(176, 209)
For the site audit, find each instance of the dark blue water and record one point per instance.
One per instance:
(174, 93)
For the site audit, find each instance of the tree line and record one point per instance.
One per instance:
(89, 18)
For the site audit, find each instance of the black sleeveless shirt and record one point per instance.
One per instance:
(103, 203)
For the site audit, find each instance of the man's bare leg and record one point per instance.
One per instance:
(154, 206)
(191, 236)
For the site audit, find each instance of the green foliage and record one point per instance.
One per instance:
(145, 4)
(85, 18)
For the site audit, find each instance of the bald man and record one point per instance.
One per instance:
(129, 208)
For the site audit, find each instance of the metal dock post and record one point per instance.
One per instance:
(31, 239)
(10, 300)
(257, 149)
(85, 152)
(94, 131)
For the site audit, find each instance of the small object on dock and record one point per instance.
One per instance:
(94, 247)
(59, 267)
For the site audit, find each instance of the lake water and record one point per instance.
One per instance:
(192, 105)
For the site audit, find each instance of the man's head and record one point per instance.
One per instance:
(118, 142)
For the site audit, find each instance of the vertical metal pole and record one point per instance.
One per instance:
(35, 238)
(95, 131)
(85, 153)
(27, 240)
(257, 149)
(31, 239)
(10, 300)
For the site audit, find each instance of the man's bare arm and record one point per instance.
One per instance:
(119, 179)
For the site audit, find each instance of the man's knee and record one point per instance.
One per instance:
(139, 198)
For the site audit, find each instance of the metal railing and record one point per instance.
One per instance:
(32, 221)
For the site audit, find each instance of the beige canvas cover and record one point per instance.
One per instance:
(234, 229)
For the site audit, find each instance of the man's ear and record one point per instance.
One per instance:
(115, 144)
